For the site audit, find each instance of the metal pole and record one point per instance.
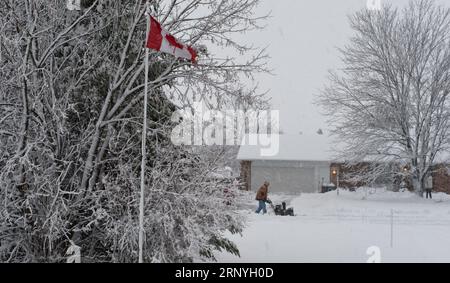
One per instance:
(144, 151)
(337, 181)
(392, 228)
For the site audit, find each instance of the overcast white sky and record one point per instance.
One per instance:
(302, 38)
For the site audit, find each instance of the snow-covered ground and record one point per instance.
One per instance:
(331, 228)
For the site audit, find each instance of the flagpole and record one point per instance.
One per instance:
(144, 146)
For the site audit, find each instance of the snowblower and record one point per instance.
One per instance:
(281, 210)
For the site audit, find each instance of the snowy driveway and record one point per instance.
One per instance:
(331, 228)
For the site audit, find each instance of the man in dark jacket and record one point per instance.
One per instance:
(261, 197)
(429, 186)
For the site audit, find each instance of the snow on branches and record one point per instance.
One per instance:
(71, 89)
(389, 104)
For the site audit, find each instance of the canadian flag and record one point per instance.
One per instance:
(159, 39)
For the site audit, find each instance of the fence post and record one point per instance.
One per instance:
(392, 228)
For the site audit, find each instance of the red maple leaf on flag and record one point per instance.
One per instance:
(159, 39)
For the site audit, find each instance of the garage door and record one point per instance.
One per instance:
(288, 180)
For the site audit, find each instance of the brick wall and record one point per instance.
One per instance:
(340, 170)
(441, 179)
(343, 171)
(246, 175)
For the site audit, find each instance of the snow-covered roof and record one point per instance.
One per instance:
(293, 148)
(303, 147)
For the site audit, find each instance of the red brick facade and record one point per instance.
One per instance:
(441, 179)
(246, 175)
(338, 171)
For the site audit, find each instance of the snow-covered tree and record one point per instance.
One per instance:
(389, 104)
(71, 89)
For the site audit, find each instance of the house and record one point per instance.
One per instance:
(302, 165)
(441, 178)
(392, 180)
